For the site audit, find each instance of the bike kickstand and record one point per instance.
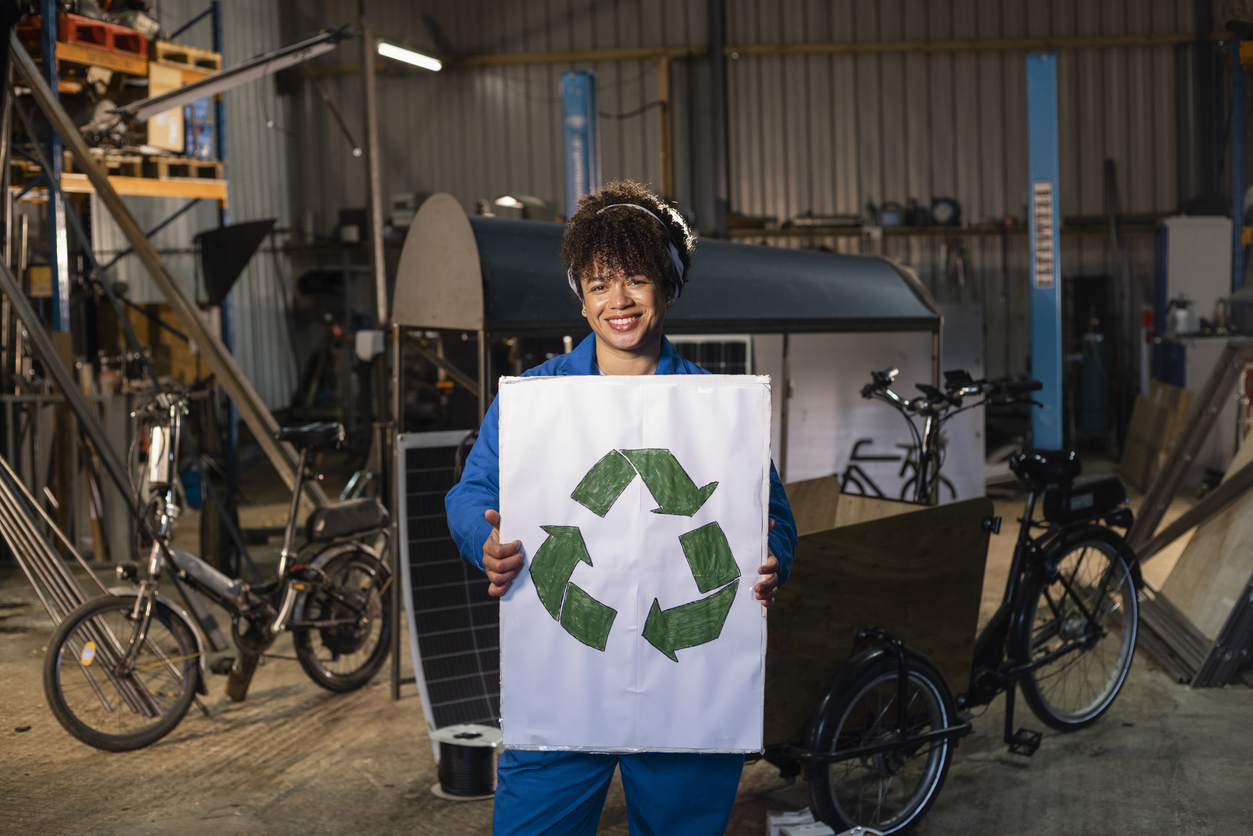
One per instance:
(1024, 741)
(201, 706)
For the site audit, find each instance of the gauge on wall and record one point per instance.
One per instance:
(945, 211)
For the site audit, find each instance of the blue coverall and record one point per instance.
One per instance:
(563, 792)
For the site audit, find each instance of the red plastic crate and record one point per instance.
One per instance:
(75, 29)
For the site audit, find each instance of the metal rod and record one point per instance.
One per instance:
(784, 396)
(665, 143)
(61, 375)
(398, 419)
(178, 214)
(448, 368)
(482, 375)
(180, 30)
(223, 365)
(73, 551)
(1214, 503)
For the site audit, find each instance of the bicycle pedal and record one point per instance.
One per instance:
(1025, 742)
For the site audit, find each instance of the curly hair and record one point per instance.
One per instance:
(626, 240)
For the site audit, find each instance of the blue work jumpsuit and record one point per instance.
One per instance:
(564, 792)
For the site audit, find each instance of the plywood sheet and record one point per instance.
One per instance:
(919, 575)
(814, 503)
(1217, 563)
(1156, 422)
(853, 509)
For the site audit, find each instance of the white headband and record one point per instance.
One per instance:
(671, 250)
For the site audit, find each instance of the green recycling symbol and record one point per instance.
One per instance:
(706, 548)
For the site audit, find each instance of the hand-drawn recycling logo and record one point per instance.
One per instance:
(706, 548)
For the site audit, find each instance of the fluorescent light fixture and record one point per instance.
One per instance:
(253, 68)
(509, 202)
(408, 56)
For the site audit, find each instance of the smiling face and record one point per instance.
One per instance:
(626, 313)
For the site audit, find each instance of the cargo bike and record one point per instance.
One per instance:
(898, 597)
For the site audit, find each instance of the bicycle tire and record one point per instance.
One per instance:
(343, 658)
(1073, 691)
(864, 712)
(106, 710)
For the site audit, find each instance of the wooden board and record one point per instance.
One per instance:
(818, 505)
(1156, 422)
(854, 508)
(921, 578)
(814, 503)
(1217, 563)
(165, 130)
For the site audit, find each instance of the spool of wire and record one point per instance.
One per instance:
(467, 761)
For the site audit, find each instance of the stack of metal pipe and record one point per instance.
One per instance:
(58, 590)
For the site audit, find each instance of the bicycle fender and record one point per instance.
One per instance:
(183, 616)
(1068, 538)
(854, 668)
(331, 553)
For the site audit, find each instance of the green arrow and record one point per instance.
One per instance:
(668, 482)
(709, 555)
(689, 625)
(604, 483)
(554, 563)
(587, 619)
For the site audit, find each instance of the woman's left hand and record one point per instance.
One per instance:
(768, 587)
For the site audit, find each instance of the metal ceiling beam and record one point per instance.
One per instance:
(220, 361)
(654, 53)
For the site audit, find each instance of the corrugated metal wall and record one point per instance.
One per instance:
(831, 133)
(259, 188)
(820, 133)
(481, 133)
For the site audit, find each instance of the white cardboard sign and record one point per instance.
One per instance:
(642, 507)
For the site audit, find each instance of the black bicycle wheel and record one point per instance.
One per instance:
(890, 791)
(1080, 624)
(352, 600)
(119, 710)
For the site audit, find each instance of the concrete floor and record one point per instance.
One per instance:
(296, 759)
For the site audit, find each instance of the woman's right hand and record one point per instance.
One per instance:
(501, 561)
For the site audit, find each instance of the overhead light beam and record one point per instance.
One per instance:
(409, 56)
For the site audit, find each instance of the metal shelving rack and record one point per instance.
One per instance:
(53, 182)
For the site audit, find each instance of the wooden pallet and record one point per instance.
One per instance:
(166, 168)
(83, 31)
(116, 164)
(185, 57)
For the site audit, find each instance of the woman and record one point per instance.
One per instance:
(626, 255)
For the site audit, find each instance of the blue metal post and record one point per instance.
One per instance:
(224, 219)
(1046, 315)
(580, 136)
(1237, 167)
(58, 241)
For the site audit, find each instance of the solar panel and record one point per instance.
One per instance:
(719, 354)
(454, 625)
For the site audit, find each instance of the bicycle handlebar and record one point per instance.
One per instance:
(1016, 386)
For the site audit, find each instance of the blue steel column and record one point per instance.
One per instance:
(224, 219)
(1237, 167)
(580, 136)
(1046, 315)
(58, 242)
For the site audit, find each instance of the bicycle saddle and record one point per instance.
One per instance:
(1041, 468)
(323, 434)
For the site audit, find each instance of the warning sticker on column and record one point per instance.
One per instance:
(1043, 228)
